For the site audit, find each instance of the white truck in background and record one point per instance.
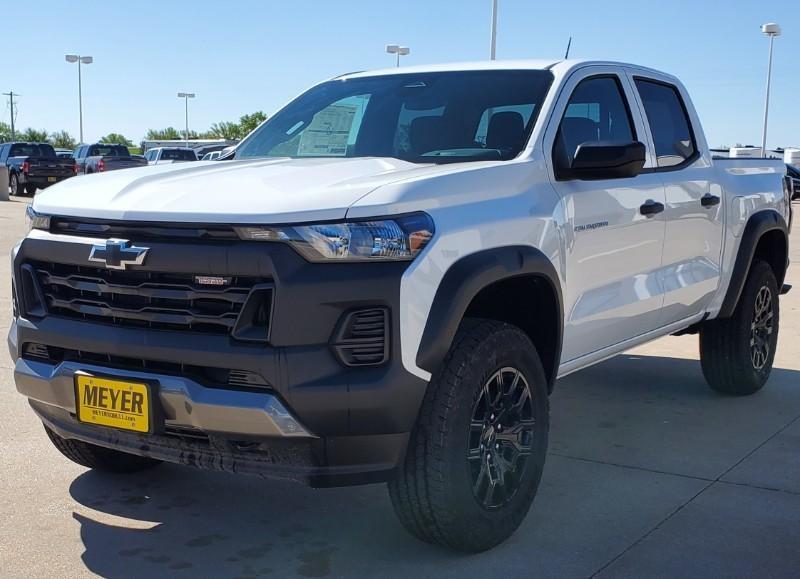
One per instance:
(392, 296)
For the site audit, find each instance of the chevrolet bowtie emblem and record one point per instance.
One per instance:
(118, 254)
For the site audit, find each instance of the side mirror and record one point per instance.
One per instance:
(607, 160)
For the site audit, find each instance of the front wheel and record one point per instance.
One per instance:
(736, 353)
(476, 455)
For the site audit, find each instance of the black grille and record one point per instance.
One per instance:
(206, 375)
(143, 299)
(362, 337)
(142, 231)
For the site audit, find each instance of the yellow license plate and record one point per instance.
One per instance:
(114, 403)
(51, 179)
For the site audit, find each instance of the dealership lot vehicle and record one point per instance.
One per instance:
(793, 174)
(168, 155)
(33, 166)
(202, 152)
(101, 157)
(393, 301)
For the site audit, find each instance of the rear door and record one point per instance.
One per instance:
(694, 209)
(613, 237)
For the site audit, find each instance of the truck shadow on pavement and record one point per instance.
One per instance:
(651, 416)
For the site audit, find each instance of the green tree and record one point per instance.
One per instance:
(225, 130)
(116, 139)
(249, 122)
(63, 140)
(168, 134)
(34, 136)
(5, 132)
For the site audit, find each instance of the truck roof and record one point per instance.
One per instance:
(558, 66)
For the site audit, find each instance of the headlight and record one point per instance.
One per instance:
(399, 238)
(36, 220)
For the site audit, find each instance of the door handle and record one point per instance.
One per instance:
(651, 207)
(709, 200)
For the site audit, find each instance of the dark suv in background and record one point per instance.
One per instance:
(33, 166)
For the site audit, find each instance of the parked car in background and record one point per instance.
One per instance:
(33, 166)
(101, 157)
(201, 152)
(211, 156)
(163, 155)
(793, 175)
(64, 153)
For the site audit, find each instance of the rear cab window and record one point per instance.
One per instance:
(673, 138)
(32, 150)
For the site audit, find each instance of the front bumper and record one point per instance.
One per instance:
(344, 425)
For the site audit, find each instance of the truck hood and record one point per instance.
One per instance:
(250, 191)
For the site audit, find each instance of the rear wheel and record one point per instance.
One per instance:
(30, 190)
(476, 455)
(98, 457)
(13, 184)
(736, 353)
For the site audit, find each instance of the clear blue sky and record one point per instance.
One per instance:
(244, 56)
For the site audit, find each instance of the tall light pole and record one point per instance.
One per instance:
(493, 42)
(72, 58)
(11, 95)
(186, 96)
(398, 50)
(772, 30)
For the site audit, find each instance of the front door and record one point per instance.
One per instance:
(613, 229)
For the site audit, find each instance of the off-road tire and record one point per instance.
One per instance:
(726, 354)
(98, 457)
(433, 494)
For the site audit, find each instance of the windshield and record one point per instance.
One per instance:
(423, 118)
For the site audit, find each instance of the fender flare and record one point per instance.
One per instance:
(757, 225)
(465, 279)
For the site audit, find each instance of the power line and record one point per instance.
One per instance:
(11, 96)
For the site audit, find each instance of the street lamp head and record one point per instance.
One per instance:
(188, 95)
(771, 29)
(392, 48)
(87, 60)
(72, 57)
(404, 50)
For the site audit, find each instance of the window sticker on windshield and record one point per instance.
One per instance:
(328, 132)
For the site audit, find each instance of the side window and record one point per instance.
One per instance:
(669, 122)
(596, 111)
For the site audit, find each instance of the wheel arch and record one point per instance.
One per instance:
(493, 284)
(765, 237)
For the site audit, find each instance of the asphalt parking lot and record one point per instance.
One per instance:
(650, 474)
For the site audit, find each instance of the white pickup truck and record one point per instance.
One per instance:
(385, 279)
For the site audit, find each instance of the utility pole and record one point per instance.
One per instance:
(493, 41)
(11, 96)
